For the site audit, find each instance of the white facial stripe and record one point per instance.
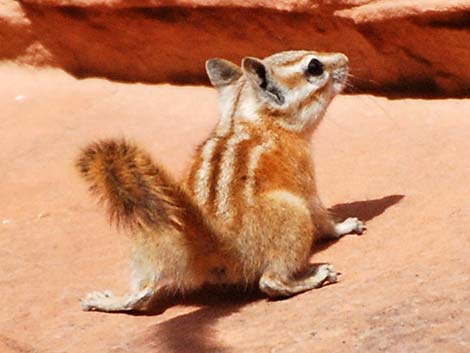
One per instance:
(227, 172)
(253, 162)
(287, 56)
(201, 186)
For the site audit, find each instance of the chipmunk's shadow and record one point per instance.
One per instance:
(194, 332)
(364, 210)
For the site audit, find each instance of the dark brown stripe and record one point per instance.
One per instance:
(313, 96)
(218, 153)
(292, 81)
(241, 161)
(196, 165)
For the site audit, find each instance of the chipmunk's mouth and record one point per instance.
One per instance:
(340, 76)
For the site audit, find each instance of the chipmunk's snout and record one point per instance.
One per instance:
(340, 69)
(341, 60)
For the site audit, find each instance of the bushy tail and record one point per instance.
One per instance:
(137, 192)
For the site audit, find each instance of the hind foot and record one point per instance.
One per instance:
(106, 302)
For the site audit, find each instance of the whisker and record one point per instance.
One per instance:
(350, 88)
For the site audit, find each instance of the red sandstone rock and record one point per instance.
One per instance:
(401, 165)
(396, 46)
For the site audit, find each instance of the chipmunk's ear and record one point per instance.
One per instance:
(255, 70)
(222, 72)
(258, 74)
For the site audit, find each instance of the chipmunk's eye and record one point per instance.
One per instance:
(315, 67)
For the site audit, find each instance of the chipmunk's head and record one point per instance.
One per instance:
(293, 88)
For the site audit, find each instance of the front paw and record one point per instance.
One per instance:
(355, 225)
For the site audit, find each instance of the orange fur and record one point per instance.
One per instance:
(136, 191)
(248, 210)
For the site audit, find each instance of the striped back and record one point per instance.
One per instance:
(261, 142)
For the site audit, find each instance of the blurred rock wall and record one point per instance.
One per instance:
(395, 46)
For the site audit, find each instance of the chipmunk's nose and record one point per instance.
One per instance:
(336, 60)
(341, 59)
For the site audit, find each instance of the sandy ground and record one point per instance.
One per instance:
(401, 165)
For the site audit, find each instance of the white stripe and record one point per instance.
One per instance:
(227, 172)
(201, 187)
(227, 99)
(227, 104)
(253, 162)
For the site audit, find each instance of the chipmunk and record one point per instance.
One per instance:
(248, 212)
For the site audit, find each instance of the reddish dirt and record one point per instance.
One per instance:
(401, 165)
